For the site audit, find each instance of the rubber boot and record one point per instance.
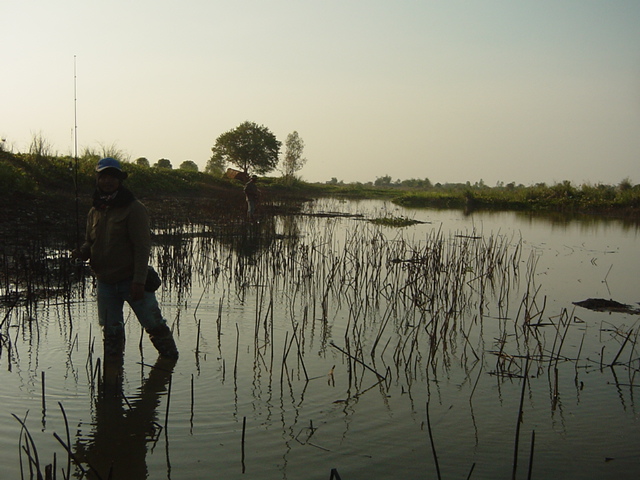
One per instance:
(113, 344)
(162, 339)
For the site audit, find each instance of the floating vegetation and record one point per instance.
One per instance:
(391, 221)
(603, 305)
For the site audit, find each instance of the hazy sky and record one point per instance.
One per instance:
(455, 91)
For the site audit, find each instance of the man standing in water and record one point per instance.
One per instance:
(252, 193)
(117, 245)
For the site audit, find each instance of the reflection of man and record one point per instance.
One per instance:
(252, 193)
(117, 446)
(117, 245)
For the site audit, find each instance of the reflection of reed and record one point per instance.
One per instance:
(36, 268)
(123, 429)
(405, 303)
(394, 293)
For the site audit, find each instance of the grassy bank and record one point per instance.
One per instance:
(33, 175)
(37, 176)
(599, 199)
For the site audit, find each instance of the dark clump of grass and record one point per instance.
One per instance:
(390, 221)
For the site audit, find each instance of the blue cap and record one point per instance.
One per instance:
(113, 164)
(108, 162)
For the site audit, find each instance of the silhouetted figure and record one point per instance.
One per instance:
(252, 193)
(117, 245)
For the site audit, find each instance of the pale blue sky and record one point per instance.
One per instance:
(523, 91)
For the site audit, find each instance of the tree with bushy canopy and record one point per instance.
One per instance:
(189, 165)
(163, 163)
(383, 181)
(293, 160)
(215, 166)
(249, 146)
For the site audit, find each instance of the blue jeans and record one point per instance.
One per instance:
(251, 207)
(111, 298)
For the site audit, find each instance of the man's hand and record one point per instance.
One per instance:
(137, 291)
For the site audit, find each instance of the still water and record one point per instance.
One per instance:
(320, 341)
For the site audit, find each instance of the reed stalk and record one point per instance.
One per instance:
(433, 445)
(519, 420)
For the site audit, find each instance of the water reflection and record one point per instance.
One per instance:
(248, 239)
(124, 430)
(586, 223)
(390, 320)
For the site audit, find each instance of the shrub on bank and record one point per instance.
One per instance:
(559, 197)
(14, 180)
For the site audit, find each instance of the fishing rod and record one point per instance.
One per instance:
(76, 261)
(75, 145)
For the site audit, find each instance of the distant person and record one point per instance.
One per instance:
(253, 195)
(117, 245)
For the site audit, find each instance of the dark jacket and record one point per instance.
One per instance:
(118, 241)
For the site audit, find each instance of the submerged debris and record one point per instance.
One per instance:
(602, 305)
